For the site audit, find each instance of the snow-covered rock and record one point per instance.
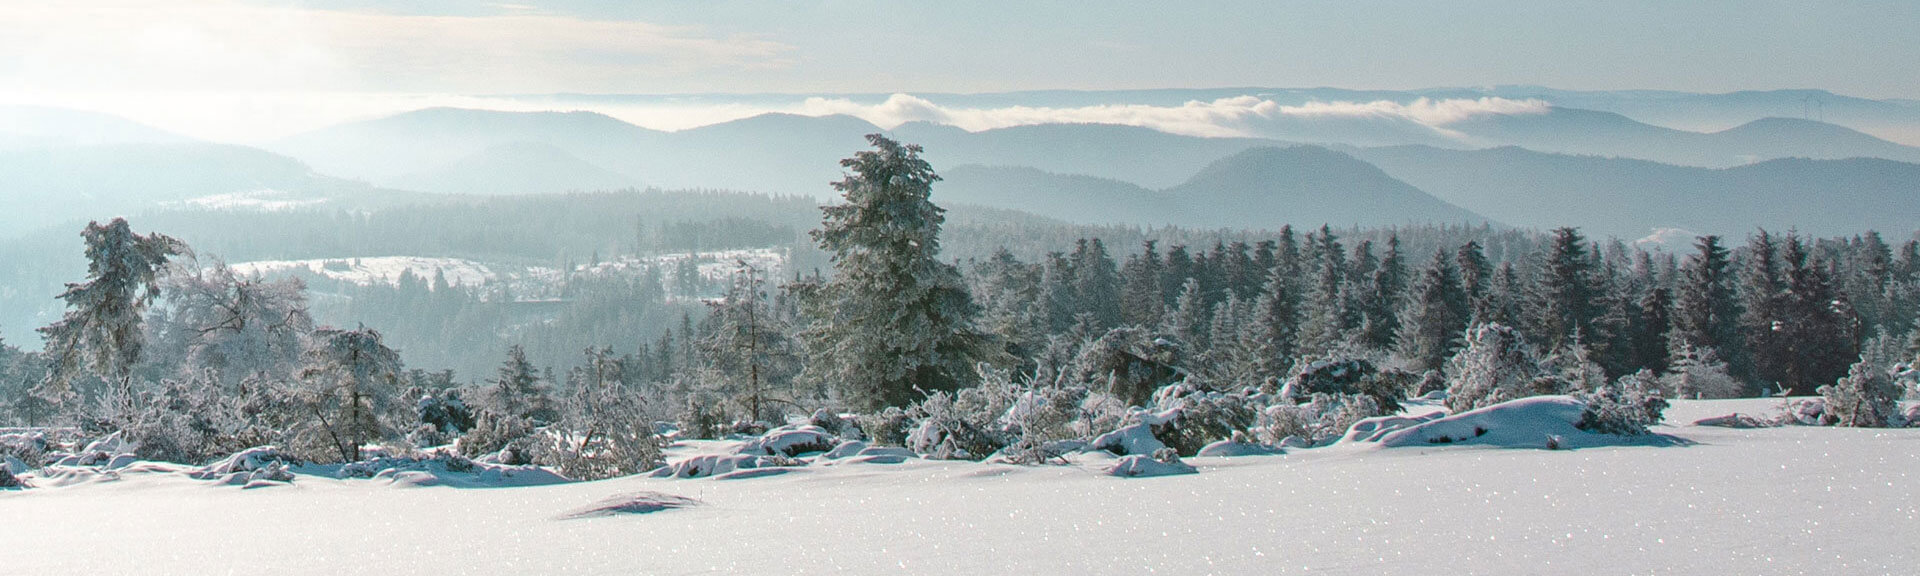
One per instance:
(1137, 466)
(1130, 440)
(1535, 422)
(1229, 448)
(1372, 429)
(789, 441)
(706, 465)
(252, 467)
(631, 503)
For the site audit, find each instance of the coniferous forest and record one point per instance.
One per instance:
(1155, 342)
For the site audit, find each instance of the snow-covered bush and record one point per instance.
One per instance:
(1868, 397)
(698, 419)
(888, 427)
(1321, 419)
(789, 441)
(1625, 407)
(1038, 420)
(952, 427)
(1699, 373)
(1495, 366)
(443, 410)
(1349, 375)
(508, 435)
(29, 447)
(1202, 417)
(8, 481)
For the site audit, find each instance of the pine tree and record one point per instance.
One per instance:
(1008, 291)
(1057, 300)
(747, 346)
(1816, 324)
(1705, 313)
(1763, 293)
(1436, 315)
(1326, 315)
(1187, 322)
(1273, 331)
(1096, 283)
(518, 392)
(1564, 295)
(101, 330)
(1476, 275)
(894, 320)
(1379, 310)
(1650, 342)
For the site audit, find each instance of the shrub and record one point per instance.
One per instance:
(1868, 397)
(1495, 366)
(1625, 407)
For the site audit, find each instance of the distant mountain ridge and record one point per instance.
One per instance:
(1261, 187)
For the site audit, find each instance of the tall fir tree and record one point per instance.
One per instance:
(1563, 298)
(102, 328)
(1140, 290)
(1436, 315)
(1705, 312)
(1096, 283)
(1818, 326)
(894, 322)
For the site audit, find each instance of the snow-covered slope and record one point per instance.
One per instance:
(1760, 501)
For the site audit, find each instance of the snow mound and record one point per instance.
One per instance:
(1535, 422)
(1144, 466)
(1372, 429)
(789, 441)
(252, 468)
(707, 465)
(1229, 448)
(1130, 440)
(631, 503)
(1736, 420)
(858, 452)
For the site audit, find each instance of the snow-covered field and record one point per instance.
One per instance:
(1720, 501)
(372, 270)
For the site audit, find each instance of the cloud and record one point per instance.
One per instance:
(1235, 116)
(1432, 113)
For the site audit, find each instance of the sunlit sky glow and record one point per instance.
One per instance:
(250, 69)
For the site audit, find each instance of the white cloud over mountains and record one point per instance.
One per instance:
(1236, 116)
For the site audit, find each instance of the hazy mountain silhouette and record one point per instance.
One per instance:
(1574, 131)
(43, 186)
(424, 141)
(515, 168)
(1628, 198)
(39, 126)
(1262, 187)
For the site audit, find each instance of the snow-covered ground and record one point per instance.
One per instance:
(372, 270)
(1719, 501)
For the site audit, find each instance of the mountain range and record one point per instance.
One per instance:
(1601, 170)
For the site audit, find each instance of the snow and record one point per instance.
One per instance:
(263, 200)
(1535, 422)
(1781, 500)
(374, 270)
(1146, 467)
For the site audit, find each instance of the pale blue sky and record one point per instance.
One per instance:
(244, 70)
(1862, 48)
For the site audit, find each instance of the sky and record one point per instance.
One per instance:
(202, 63)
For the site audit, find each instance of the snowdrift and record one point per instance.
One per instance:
(1536, 422)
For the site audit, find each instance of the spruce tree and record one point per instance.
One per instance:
(1564, 295)
(1096, 283)
(1273, 331)
(1705, 313)
(1476, 275)
(1140, 290)
(1817, 325)
(101, 330)
(894, 321)
(518, 392)
(1436, 315)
